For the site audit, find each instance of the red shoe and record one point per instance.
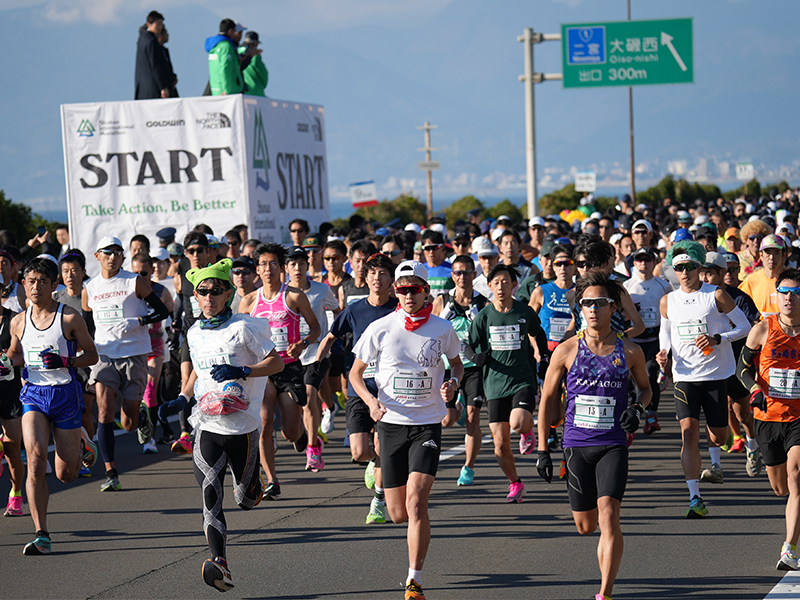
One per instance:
(651, 424)
(630, 439)
(738, 445)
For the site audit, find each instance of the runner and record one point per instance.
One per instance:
(283, 307)
(352, 321)
(44, 340)
(11, 419)
(119, 300)
(12, 294)
(232, 356)
(768, 368)
(356, 288)
(549, 300)
(407, 347)
(598, 364)
(696, 328)
(460, 306)
(434, 251)
(760, 285)
(488, 257)
(501, 340)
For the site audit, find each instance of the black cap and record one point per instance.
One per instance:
(474, 212)
(251, 37)
(296, 252)
(166, 235)
(244, 261)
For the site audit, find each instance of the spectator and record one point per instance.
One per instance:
(62, 237)
(153, 72)
(224, 76)
(254, 71)
(173, 87)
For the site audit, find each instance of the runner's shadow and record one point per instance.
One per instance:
(714, 588)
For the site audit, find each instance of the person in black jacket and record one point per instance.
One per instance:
(163, 38)
(154, 76)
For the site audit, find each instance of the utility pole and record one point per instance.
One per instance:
(630, 131)
(529, 38)
(428, 165)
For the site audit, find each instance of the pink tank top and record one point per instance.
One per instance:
(284, 323)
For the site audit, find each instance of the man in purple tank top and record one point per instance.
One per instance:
(597, 419)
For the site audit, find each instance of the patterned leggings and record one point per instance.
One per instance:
(213, 453)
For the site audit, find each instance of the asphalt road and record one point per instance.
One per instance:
(147, 541)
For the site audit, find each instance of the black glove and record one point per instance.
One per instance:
(543, 366)
(173, 407)
(630, 418)
(544, 465)
(478, 358)
(222, 373)
(758, 400)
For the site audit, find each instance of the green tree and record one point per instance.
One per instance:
(567, 198)
(407, 207)
(458, 209)
(21, 221)
(507, 208)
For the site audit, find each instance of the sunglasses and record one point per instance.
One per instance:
(789, 290)
(755, 237)
(334, 257)
(214, 291)
(404, 290)
(586, 264)
(640, 231)
(643, 258)
(564, 263)
(685, 267)
(197, 250)
(431, 247)
(461, 243)
(596, 302)
(240, 271)
(464, 272)
(296, 230)
(391, 253)
(109, 252)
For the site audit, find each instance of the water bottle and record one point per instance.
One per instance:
(6, 362)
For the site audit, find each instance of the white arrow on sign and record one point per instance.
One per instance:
(666, 40)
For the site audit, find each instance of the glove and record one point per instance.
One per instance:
(544, 465)
(52, 361)
(173, 407)
(222, 373)
(630, 418)
(543, 366)
(478, 359)
(758, 400)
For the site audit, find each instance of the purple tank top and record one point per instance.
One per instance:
(597, 395)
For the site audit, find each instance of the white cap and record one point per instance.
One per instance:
(483, 247)
(108, 240)
(496, 233)
(786, 227)
(641, 222)
(753, 218)
(596, 215)
(503, 218)
(440, 228)
(161, 254)
(413, 227)
(411, 267)
(535, 221)
(700, 219)
(49, 257)
(615, 238)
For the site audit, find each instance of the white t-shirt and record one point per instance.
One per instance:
(241, 340)
(646, 295)
(322, 300)
(409, 366)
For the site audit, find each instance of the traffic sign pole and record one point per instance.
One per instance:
(630, 131)
(429, 166)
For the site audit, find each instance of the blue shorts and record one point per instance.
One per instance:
(61, 404)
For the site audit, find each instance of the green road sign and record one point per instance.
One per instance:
(627, 53)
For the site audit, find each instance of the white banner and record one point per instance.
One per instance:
(585, 181)
(136, 167)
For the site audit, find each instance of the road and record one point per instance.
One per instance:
(147, 541)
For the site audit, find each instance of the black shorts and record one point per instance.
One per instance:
(736, 389)
(472, 386)
(406, 449)
(314, 374)
(336, 356)
(594, 472)
(709, 396)
(10, 404)
(500, 408)
(357, 416)
(290, 381)
(775, 439)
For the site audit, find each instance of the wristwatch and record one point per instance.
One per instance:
(718, 338)
(304, 341)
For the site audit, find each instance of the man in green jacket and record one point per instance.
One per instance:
(254, 71)
(223, 61)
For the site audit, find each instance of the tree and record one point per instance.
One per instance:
(507, 208)
(567, 198)
(406, 207)
(21, 221)
(458, 209)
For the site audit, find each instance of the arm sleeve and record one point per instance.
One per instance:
(159, 313)
(741, 325)
(664, 335)
(745, 368)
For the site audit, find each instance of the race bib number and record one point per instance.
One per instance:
(369, 372)
(558, 328)
(650, 316)
(304, 328)
(108, 316)
(689, 330)
(784, 383)
(280, 337)
(411, 384)
(504, 337)
(195, 307)
(206, 362)
(594, 412)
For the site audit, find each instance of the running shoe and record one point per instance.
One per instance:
(314, 462)
(562, 472)
(369, 475)
(462, 412)
(254, 491)
(145, 430)
(322, 436)
(601, 597)
(217, 575)
(753, 466)
(697, 508)
(377, 512)
(150, 447)
(527, 442)
(788, 560)
(515, 492)
(414, 591)
(467, 476)
(111, 484)
(183, 445)
(41, 545)
(651, 424)
(167, 438)
(85, 472)
(726, 447)
(346, 442)
(738, 444)
(341, 399)
(88, 449)
(273, 491)
(631, 436)
(552, 440)
(328, 417)
(14, 508)
(712, 475)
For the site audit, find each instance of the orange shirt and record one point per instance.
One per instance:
(778, 375)
(762, 291)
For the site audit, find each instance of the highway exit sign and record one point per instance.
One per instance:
(623, 53)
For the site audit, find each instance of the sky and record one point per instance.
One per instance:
(382, 67)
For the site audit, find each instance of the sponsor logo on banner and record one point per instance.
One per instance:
(302, 127)
(214, 121)
(261, 152)
(317, 129)
(166, 123)
(86, 129)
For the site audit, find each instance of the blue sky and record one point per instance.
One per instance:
(381, 68)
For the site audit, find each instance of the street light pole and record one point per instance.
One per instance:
(427, 149)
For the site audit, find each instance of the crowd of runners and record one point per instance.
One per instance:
(567, 332)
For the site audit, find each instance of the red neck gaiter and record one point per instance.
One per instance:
(418, 319)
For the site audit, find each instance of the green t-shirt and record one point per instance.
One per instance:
(531, 282)
(510, 366)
